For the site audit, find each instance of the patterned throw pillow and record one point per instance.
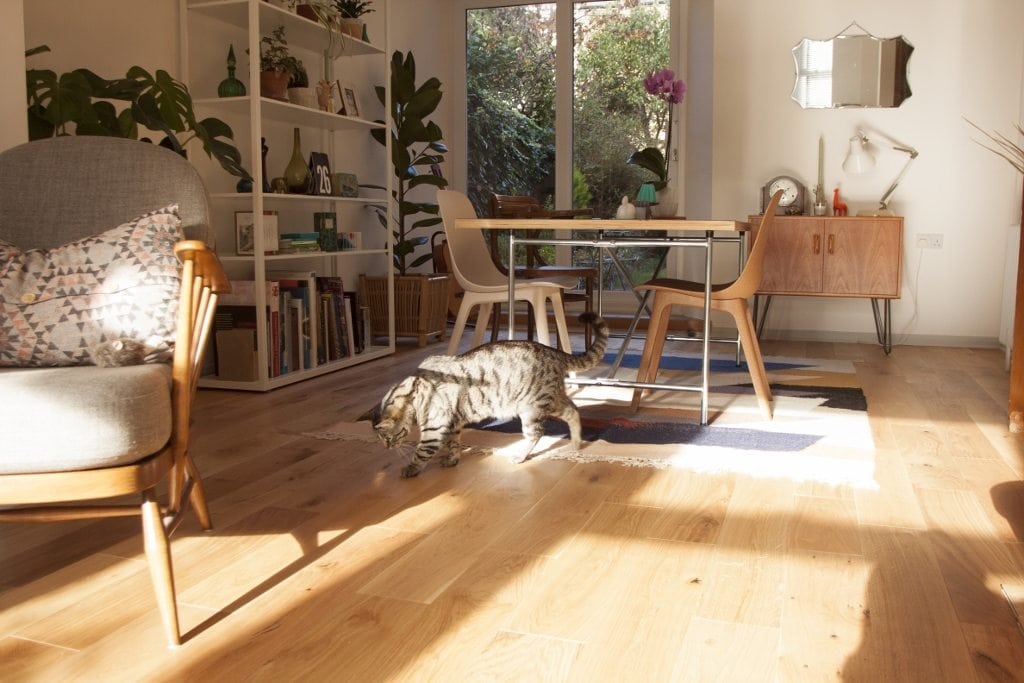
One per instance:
(56, 304)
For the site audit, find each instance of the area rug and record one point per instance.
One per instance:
(819, 431)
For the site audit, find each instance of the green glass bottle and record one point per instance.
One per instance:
(296, 173)
(231, 86)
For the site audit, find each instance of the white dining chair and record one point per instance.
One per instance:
(484, 285)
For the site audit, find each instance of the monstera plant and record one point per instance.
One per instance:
(416, 146)
(79, 102)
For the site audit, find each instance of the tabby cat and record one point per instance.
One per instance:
(499, 380)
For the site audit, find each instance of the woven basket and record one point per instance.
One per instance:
(421, 305)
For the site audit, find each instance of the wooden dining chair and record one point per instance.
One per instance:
(483, 285)
(525, 206)
(730, 297)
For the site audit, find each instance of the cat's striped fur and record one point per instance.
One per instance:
(499, 380)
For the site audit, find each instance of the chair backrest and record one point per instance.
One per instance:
(750, 279)
(471, 260)
(58, 190)
(515, 206)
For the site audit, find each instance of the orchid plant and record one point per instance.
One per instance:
(664, 85)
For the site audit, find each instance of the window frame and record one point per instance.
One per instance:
(614, 301)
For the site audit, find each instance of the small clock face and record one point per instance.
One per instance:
(793, 195)
(790, 190)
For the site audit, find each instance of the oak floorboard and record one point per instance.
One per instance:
(823, 617)
(749, 561)
(552, 570)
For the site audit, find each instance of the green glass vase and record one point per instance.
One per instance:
(296, 173)
(231, 86)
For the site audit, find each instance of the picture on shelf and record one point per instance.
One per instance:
(349, 100)
(320, 171)
(326, 225)
(345, 184)
(245, 233)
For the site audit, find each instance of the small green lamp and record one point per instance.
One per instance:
(645, 197)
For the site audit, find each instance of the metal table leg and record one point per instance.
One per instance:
(883, 323)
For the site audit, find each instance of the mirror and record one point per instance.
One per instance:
(858, 70)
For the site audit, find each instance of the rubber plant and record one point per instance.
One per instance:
(78, 102)
(415, 145)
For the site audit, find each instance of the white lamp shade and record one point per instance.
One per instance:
(858, 160)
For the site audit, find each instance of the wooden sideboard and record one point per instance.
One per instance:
(843, 256)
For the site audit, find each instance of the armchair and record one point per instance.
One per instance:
(94, 234)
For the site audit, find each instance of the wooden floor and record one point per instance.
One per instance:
(325, 565)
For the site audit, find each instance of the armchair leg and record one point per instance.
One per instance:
(197, 496)
(158, 552)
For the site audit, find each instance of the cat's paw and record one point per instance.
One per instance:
(450, 461)
(410, 471)
(520, 458)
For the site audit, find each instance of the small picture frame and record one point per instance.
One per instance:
(345, 184)
(245, 233)
(349, 99)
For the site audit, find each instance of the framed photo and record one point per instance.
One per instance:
(349, 99)
(337, 100)
(345, 184)
(245, 233)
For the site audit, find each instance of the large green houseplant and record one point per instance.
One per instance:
(415, 144)
(420, 300)
(78, 102)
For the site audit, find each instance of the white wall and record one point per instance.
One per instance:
(967, 62)
(13, 124)
(105, 36)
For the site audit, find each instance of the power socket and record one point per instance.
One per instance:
(929, 240)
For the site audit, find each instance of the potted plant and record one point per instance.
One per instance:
(415, 144)
(299, 91)
(350, 12)
(277, 65)
(158, 102)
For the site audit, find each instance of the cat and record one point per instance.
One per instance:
(502, 379)
(118, 353)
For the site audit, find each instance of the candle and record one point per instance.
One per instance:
(821, 162)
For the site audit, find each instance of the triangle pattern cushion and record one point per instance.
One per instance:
(123, 283)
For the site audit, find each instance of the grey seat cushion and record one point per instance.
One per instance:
(63, 419)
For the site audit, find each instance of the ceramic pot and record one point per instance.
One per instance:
(274, 84)
(352, 27)
(304, 97)
(668, 205)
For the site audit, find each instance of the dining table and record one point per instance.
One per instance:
(608, 235)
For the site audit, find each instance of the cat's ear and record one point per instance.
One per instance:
(371, 415)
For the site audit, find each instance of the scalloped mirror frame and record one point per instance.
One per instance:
(858, 70)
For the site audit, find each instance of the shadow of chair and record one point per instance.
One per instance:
(730, 297)
(525, 206)
(79, 437)
(484, 285)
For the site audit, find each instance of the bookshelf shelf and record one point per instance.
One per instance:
(261, 124)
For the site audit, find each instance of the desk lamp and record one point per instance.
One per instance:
(860, 160)
(645, 197)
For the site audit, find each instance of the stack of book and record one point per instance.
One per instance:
(310, 320)
(296, 242)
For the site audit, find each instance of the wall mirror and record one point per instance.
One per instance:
(851, 70)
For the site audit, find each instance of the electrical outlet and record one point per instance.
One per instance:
(929, 240)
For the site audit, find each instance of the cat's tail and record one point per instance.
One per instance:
(593, 355)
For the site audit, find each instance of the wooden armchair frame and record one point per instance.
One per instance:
(57, 496)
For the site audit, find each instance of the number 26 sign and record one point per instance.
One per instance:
(320, 170)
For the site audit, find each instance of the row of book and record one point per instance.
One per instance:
(310, 320)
